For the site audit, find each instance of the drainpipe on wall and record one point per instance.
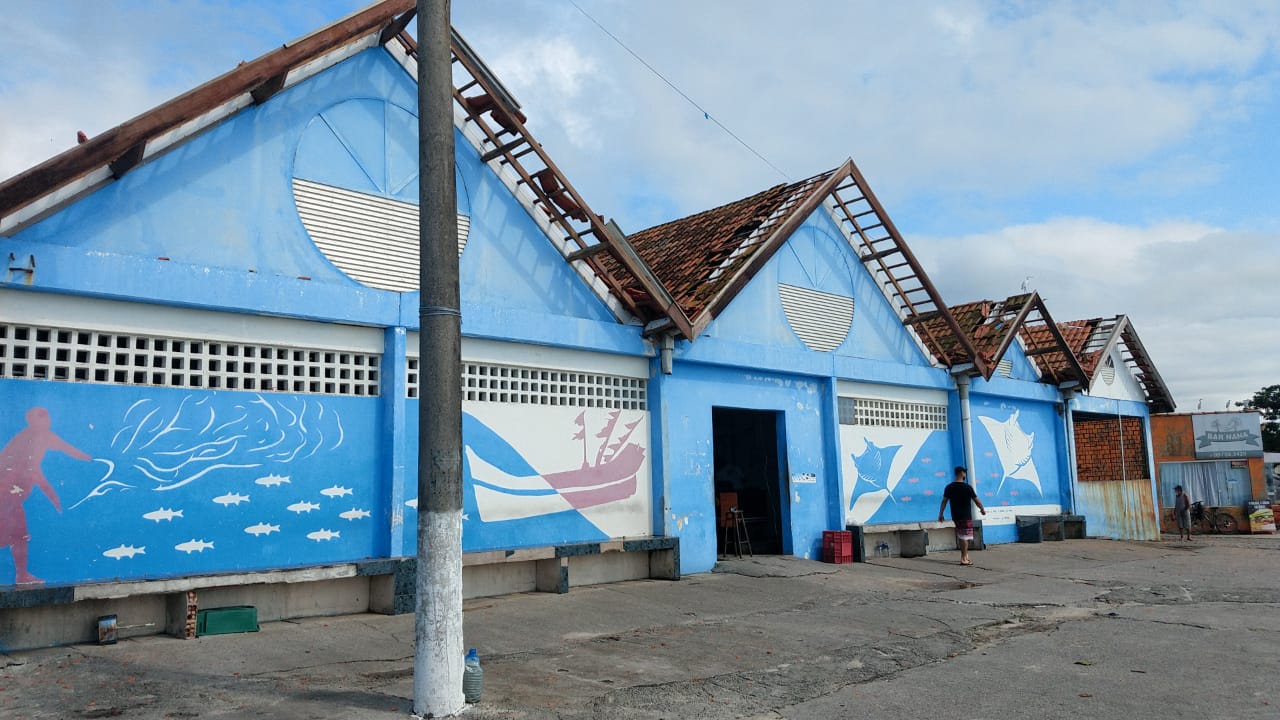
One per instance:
(966, 425)
(666, 346)
(1069, 394)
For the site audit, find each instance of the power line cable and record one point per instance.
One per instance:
(705, 114)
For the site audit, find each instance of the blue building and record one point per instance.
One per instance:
(208, 359)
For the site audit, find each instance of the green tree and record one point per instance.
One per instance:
(1267, 402)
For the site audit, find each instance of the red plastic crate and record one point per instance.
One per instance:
(830, 555)
(839, 541)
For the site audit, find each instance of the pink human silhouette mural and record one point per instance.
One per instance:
(20, 472)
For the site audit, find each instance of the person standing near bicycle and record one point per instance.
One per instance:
(1182, 511)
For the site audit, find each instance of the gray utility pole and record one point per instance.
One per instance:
(437, 657)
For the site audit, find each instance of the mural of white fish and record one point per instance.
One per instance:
(322, 534)
(262, 529)
(272, 480)
(231, 499)
(162, 514)
(125, 551)
(193, 545)
(336, 491)
(412, 503)
(1013, 447)
(354, 514)
(302, 507)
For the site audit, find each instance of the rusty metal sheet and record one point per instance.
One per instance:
(1119, 509)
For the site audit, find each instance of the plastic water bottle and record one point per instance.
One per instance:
(472, 677)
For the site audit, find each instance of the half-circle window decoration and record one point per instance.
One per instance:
(1005, 367)
(355, 184)
(1109, 371)
(815, 287)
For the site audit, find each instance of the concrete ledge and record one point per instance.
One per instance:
(1038, 528)
(37, 616)
(909, 539)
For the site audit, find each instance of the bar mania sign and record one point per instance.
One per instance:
(1227, 435)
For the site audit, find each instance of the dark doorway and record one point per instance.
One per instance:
(747, 446)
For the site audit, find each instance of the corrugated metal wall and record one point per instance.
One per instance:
(1119, 509)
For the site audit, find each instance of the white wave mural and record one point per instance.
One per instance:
(174, 447)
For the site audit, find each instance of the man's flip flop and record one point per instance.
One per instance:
(966, 563)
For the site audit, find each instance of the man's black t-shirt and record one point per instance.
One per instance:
(961, 496)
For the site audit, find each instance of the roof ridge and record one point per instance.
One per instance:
(774, 188)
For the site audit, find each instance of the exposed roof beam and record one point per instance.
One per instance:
(795, 217)
(1116, 329)
(1012, 332)
(128, 160)
(395, 27)
(268, 88)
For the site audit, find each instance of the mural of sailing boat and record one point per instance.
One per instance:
(1013, 448)
(610, 477)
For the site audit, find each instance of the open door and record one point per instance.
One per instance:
(748, 463)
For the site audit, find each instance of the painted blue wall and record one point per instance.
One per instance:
(213, 222)
(260, 477)
(901, 473)
(817, 257)
(1017, 447)
(685, 400)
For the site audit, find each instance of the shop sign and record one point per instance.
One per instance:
(1227, 435)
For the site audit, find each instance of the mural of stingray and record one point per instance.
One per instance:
(889, 471)
(1013, 449)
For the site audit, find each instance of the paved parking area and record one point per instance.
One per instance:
(1082, 628)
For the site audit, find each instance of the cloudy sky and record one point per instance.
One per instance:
(1124, 158)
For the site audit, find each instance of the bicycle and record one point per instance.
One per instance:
(1210, 520)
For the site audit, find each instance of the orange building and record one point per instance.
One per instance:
(1216, 457)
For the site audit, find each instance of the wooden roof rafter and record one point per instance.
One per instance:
(492, 110)
(1135, 356)
(1042, 338)
(886, 256)
(806, 198)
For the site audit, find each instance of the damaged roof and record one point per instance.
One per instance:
(705, 259)
(495, 119)
(1092, 341)
(994, 325)
(698, 256)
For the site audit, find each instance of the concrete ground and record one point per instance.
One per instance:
(1081, 629)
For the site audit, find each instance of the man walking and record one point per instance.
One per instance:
(962, 499)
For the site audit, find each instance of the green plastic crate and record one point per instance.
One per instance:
(221, 621)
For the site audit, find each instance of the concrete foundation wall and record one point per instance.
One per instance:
(603, 569)
(503, 579)
(56, 617)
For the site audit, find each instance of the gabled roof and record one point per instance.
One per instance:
(698, 256)
(502, 140)
(707, 258)
(1092, 341)
(994, 325)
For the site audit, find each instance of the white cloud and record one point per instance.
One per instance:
(966, 113)
(1206, 302)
